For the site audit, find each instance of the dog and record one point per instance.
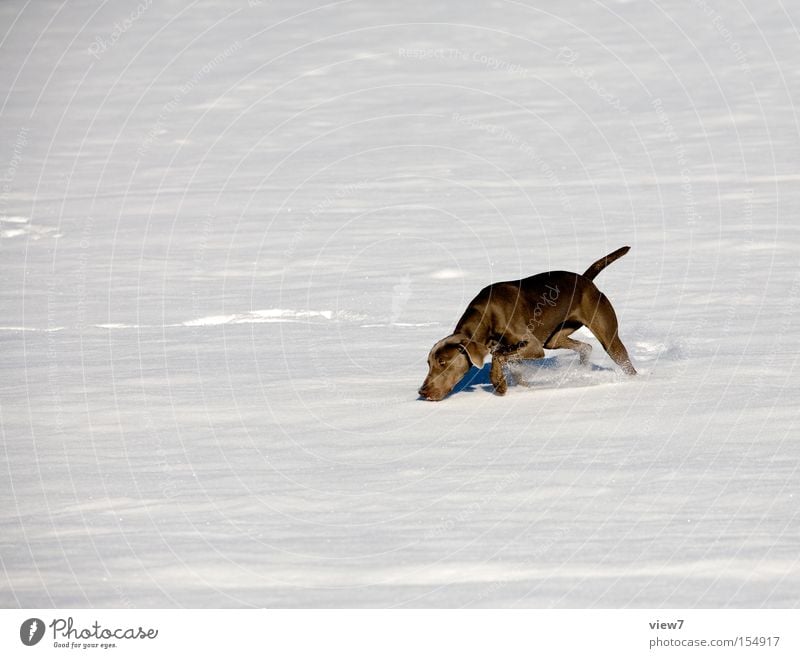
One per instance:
(514, 320)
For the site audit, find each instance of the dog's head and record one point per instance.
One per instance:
(448, 361)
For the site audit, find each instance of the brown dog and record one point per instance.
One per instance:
(514, 320)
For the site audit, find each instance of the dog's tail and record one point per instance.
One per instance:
(598, 266)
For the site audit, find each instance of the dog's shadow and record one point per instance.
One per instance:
(478, 379)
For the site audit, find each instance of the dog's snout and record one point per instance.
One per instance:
(425, 392)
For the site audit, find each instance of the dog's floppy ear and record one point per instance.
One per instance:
(475, 351)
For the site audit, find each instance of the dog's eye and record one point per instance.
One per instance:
(442, 362)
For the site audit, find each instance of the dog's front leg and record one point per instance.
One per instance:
(497, 375)
(501, 355)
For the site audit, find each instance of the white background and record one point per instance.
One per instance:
(230, 232)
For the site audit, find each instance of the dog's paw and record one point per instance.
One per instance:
(500, 385)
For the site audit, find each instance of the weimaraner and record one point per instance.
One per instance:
(513, 320)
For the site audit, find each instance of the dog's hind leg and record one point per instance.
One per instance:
(561, 339)
(602, 322)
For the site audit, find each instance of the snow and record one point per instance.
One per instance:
(231, 232)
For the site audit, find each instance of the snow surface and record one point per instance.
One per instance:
(230, 232)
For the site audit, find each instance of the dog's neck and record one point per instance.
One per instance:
(473, 328)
